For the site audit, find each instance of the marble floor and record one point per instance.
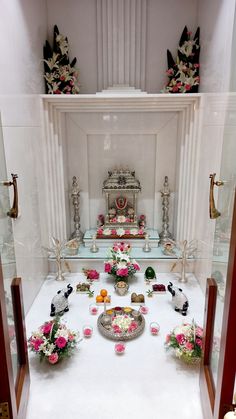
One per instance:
(145, 382)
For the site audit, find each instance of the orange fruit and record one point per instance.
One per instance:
(103, 293)
(99, 299)
(107, 299)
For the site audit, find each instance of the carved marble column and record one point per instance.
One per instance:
(121, 43)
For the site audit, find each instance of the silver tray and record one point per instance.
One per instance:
(107, 331)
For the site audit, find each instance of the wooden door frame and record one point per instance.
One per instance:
(15, 394)
(217, 400)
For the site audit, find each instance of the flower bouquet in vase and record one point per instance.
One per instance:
(53, 341)
(186, 341)
(120, 264)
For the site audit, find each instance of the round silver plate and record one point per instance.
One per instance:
(107, 331)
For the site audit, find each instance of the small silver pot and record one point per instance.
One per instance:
(121, 290)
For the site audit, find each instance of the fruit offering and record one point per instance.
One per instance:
(159, 288)
(82, 287)
(137, 298)
(103, 297)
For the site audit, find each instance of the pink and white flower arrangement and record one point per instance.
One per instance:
(186, 340)
(61, 75)
(119, 264)
(184, 73)
(123, 323)
(53, 341)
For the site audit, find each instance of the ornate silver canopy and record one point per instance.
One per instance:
(121, 188)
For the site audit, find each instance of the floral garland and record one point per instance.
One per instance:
(53, 341)
(184, 74)
(61, 76)
(120, 231)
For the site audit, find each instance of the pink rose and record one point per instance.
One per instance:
(46, 328)
(107, 267)
(127, 232)
(136, 266)
(175, 89)
(154, 330)
(87, 332)
(180, 338)
(144, 310)
(71, 338)
(167, 338)
(61, 342)
(53, 358)
(122, 272)
(113, 232)
(187, 87)
(36, 343)
(133, 326)
(199, 342)
(189, 346)
(116, 329)
(140, 231)
(170, 71)
(119, 348)
(199, 331)
(100, 231)
(93, 310)
(93, 274)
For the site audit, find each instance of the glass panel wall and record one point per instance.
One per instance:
(7, 255)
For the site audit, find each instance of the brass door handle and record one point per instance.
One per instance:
(13, 212)
(214, 213)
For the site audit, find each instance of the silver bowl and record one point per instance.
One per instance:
(121, 290)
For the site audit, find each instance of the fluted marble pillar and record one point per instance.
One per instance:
(121, 43)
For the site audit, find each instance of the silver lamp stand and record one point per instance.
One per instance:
(75, 194)
(165, 235)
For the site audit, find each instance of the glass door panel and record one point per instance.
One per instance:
(7, 256)
(223, 232)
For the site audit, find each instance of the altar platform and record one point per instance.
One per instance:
(144, 382)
